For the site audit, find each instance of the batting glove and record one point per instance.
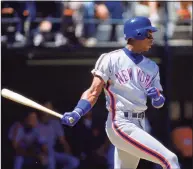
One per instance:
(70, 118)
(153, 93)
(157, 99)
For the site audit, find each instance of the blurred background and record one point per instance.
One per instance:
(48, 50)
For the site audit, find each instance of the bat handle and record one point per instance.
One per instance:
(71, 119)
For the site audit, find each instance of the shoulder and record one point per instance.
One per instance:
(17, 125)
(39, 125)
(55, 122)
(113, 54)
(151, 64)
(110, 56)
(15, 129)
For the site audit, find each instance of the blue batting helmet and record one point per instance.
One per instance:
(137, 28)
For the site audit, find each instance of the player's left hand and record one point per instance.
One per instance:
(70, 118)
(153, 93)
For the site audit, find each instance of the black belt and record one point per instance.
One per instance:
(134, 115)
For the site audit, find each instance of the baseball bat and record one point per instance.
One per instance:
(28, 102)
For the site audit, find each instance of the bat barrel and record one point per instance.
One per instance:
(27, 102)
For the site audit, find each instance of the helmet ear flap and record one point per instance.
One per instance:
(141, 34)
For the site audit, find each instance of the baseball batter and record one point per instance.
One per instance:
(128, 79)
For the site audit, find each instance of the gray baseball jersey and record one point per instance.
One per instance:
(126, 79)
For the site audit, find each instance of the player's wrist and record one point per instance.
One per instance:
(77, 111)
(83, 107)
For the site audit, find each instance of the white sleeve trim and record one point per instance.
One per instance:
(99, 73)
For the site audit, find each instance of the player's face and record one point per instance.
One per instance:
(48, 105)
(145, 45)
(32, 119)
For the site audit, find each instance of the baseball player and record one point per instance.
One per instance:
(51, 130)
(128, 79)
(29, 145)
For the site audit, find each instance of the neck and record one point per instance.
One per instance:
(131, 48)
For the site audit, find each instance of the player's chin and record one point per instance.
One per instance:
(147, 48)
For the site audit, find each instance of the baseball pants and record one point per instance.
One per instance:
(133, 143)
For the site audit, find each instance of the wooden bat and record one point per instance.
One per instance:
(30, 103)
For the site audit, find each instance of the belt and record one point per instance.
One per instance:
(134, 115)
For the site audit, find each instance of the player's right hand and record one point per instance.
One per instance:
(70, 118)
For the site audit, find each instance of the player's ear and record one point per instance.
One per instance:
(130, 41)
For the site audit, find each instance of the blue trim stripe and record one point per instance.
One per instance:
(132, 141)
(143, 148)
(135, 57)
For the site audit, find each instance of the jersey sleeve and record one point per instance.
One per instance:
(156, 80)
(102, 67)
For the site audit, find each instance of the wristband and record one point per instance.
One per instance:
(158, 103)
(83, 107)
